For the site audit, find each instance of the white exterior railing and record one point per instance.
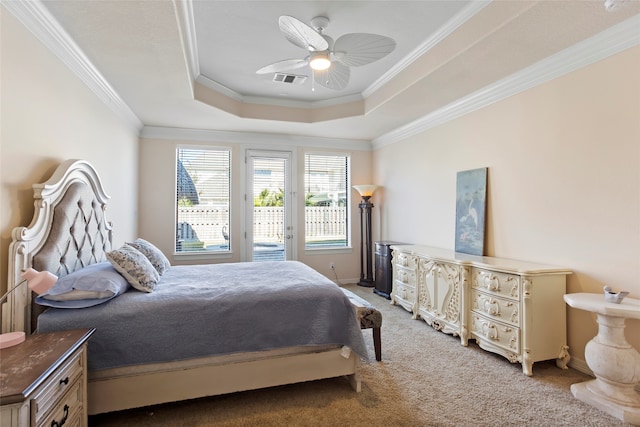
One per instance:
(206, 223)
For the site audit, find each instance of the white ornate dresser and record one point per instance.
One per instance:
(512, 308)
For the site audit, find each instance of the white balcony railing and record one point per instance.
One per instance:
(208, 224)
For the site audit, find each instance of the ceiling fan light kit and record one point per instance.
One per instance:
(320, 61)
(329, 62)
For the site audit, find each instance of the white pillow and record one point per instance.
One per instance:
(135, 267)
(153, 254)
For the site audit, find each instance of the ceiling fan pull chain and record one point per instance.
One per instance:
(313, 80)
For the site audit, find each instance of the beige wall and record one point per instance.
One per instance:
(157, 211)
(563, 181)
(48, 115)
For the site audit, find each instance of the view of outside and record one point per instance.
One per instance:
(202, 193)
(326, 200)
(203, 198)
(269, 177)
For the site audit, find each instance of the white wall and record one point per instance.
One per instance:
(563, 181)
(49, 115)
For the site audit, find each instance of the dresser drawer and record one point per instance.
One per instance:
(405, 292)
(60, 383)
(405, 260)
(496, 308)
(405, 276)
(67, 409)
(497, 333)
(502, 284)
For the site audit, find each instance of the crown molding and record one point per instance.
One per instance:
(37, 19)
(186, 29)
(607, 43)
(250, 138)
(443, 32)
(279, 102)
(187, 24)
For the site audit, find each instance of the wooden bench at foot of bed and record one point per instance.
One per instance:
(369, 318)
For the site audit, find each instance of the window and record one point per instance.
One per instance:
(326, 195)
(203, 178)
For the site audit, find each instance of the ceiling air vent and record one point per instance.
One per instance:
(289, 78)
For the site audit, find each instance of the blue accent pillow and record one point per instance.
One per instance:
(92, 285)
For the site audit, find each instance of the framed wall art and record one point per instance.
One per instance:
(471, 202)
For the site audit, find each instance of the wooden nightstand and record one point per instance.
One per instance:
(43, 381)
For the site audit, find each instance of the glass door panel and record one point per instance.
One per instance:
(270, 234)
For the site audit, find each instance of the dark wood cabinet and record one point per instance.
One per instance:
(384, 271)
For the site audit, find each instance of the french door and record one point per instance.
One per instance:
(268, 200)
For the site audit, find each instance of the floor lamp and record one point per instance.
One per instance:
(366, 268)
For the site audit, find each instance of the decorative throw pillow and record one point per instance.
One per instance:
(153, 254)
(135, 267)
(92, 285)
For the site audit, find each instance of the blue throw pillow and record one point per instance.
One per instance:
(92, 285)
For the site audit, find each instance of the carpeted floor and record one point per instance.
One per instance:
(426, 378)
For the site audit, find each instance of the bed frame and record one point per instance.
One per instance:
(68, 232)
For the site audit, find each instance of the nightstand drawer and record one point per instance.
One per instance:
(503, 284)
(66, 410)
(60, 383)
(497, 308)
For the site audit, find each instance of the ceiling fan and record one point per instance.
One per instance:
(329, 60)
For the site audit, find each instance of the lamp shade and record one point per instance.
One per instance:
(39, 282)
(366, 190)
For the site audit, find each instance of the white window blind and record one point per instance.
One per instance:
(203, 181)
(326, 201)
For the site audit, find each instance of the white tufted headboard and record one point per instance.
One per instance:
(68, 232)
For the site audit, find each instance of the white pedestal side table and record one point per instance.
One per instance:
(615, 363)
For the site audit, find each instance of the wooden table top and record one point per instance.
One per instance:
(27, 365)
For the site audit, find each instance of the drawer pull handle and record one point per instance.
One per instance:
(489, 331)
(64, 381)
(63, 420)
(492, 283)
(492, 307)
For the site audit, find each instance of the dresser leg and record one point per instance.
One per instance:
(563, 359)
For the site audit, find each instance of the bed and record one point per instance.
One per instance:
(240, 336)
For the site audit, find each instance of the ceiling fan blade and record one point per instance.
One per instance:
(302, 35)
(358, 49)
(335, 77)
(287, 64)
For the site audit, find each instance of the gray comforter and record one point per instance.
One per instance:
(212, 309)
